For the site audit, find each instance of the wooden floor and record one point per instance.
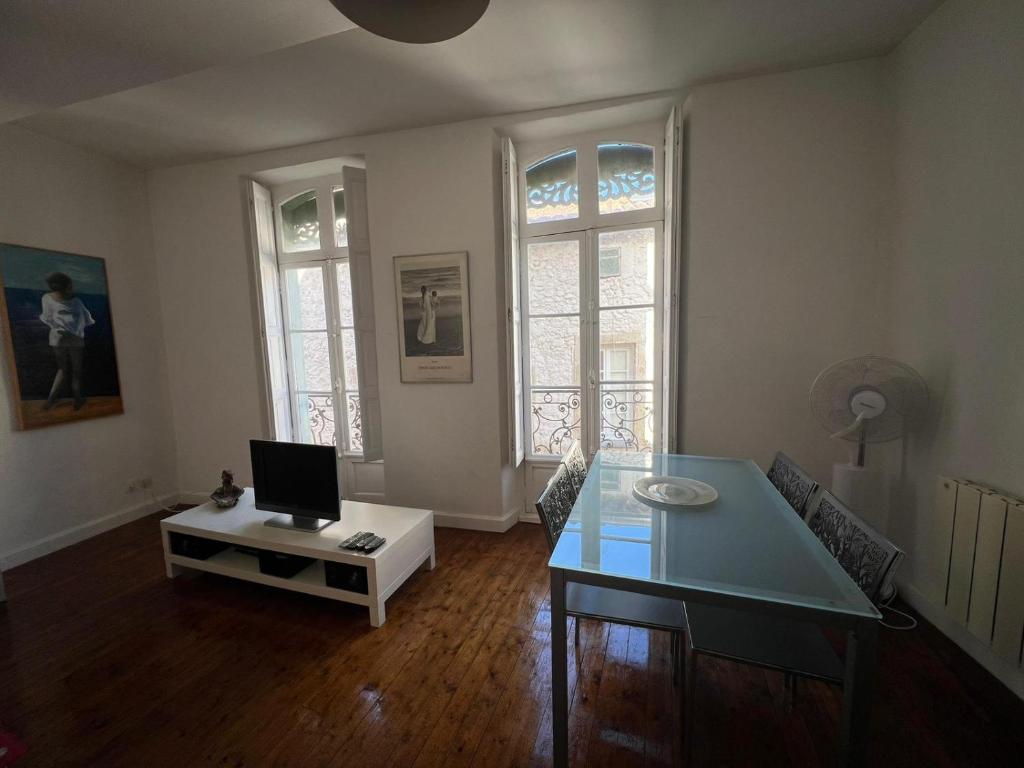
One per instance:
(105, 662)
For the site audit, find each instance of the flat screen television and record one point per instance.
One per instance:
(298, 481)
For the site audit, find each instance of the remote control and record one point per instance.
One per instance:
(373, 543)
(359, 541)
(362, 541)
(351, 540)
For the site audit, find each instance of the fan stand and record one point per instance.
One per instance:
(853, 483)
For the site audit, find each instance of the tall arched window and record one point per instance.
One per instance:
(590, 267)
(316, 291)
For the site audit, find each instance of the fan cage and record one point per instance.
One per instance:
(902, 387)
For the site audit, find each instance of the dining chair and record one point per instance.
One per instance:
(798, 649)
(576, 463)
(866, 555)
(586, 601)
(796, 486)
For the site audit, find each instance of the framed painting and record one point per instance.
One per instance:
(433, 317)
(59, 336)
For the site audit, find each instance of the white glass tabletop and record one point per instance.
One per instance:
(748, 542)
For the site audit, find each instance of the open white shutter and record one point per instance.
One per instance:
(513, 334)
(672, 278)
(356, 211)
(275, 365)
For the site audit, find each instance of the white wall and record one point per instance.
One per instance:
(63, 483)
(788, 190)
(801, 160)
(958, 292)
(430, 190)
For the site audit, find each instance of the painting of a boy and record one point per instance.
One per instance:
(59, 336)
(67, 318)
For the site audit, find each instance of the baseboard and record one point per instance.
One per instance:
(369, 498)
(530, 516)
(476, 522)
(193, 498)
(201, 498)
(66, 538)
(1006, 672)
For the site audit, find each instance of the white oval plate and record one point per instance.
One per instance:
(675, 491)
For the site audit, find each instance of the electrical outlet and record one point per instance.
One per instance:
(139, 483)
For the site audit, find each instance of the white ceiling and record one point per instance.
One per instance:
(522, 55)
(57, 52)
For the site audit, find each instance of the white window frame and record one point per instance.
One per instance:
(587, 228)
(328, 257)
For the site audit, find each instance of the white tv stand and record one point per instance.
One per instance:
(409, 533)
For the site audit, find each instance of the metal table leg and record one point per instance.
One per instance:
(559, 672)
(858, 684)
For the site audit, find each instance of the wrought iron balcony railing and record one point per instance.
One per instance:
(627, 418)
(320, 416)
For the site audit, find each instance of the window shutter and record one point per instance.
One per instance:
(278, 417)
(513, 316)
(356, 211)
(671, 331)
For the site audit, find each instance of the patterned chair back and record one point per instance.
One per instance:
(795, 485)
(576, 464)
(866, 555)
(555, 503)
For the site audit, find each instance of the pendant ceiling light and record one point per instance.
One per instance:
(414, 21)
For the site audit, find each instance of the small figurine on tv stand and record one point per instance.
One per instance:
(227, 495)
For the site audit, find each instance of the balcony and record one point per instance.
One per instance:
(627, 419)
(321, 424)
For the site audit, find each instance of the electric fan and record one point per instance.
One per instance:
(868, 399)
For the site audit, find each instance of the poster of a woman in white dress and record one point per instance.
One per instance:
(426, 331)
(433, 306)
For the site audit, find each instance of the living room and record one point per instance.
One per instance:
(448, 248)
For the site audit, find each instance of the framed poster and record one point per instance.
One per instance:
(59, 336)
(433, 317)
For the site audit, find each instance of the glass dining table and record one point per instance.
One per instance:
(746, 550)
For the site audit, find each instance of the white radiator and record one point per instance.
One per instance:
(977, 563)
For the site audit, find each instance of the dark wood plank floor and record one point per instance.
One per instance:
(105, 662)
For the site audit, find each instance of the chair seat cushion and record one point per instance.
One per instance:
(621, 607)
(767, 641)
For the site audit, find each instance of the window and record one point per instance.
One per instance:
(616, 363)
(591, 263)
(626, 180)
(300, 228)
(319, 320)
(311, 254)
(554, 343)
(610, 262)
(552, 190)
